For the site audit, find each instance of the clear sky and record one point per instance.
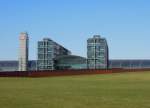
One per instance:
(124, 23)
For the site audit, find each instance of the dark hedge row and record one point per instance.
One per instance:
(66, 72)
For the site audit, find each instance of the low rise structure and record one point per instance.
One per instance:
(76, 62)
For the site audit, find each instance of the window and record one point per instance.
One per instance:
(40, 50)
(40, 44)
(40, 56)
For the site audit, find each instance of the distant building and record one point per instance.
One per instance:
(48, 50)
(14, 64)
(97, 53)
(76, 62)
(23, 51)
(70, 62)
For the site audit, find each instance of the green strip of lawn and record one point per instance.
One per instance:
(123, 90)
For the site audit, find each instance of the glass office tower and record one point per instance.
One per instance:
(48, 50)
(97, 53)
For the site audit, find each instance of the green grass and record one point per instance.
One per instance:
(124, 90)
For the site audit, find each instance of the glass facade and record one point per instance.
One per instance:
(70, 62)
(97, 53)
(76, 63)
(129, 64)
(48, 50)
(13, 65)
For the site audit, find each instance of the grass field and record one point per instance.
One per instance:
(123, 90)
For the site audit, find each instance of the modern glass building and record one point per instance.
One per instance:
(70, 62)
(48, 50)
(97, 53)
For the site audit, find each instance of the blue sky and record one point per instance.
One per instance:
(124, 23)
